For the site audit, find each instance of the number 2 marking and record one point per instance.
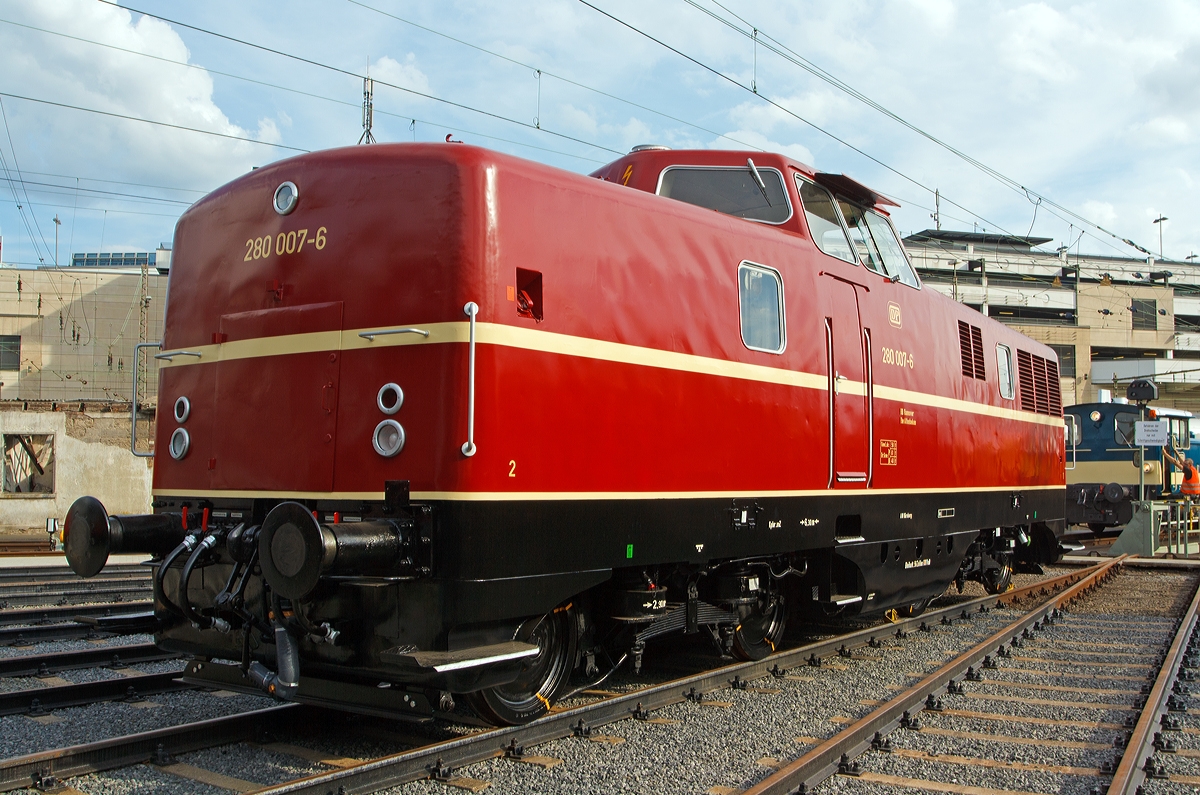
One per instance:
(512, 469)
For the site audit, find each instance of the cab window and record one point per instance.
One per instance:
(733, 191)
(823, 222)
(760, 301)
(1124, 428)
(860, 236)
(895, 263)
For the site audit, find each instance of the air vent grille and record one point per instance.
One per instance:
(1040, 390)
(970, 344)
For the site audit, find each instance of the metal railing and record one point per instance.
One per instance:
(1177, 521)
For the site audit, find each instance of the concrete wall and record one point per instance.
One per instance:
(91, 451)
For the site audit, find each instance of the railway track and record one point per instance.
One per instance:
(992, 719)
(440, 760)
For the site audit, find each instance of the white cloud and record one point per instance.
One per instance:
(405, 75)
(1102, 213)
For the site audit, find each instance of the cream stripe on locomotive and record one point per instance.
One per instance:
(567, 345)
(508, 496)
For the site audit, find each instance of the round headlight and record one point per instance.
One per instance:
(1095, 415)
(183, 407)
(180, 442)
(390, 398)
(286, 196)
(388, 438)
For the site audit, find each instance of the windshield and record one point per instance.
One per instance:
(895, 264)
(1123, 429)
(733, 191)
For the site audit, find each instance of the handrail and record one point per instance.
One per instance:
(468, 448)
(371, 335)
(170, 356)
(133, 404)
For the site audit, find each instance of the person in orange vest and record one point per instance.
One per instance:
(1191, 478)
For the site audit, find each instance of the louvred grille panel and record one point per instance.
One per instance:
(1039, 386)
(977, 348)
(970, 346)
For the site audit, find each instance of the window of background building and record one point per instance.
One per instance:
(1066, 360)
(28, 465)
(10, 352)
(1145, 314)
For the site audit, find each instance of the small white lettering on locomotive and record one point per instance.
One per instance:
(775, 524)
(908, 417)
(699, 547)
(916, 564)
(655, 604)
(897, 357)
(894, 314)
(809, 522)
(905, 515)
(889, 452)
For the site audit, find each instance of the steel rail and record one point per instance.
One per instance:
(41, 615)
(1139, 752)
(67, 598)
(39, 700)
(424, 762)
(63, 585)
(818, 764)
(64, 572)
(90, 628)
(103, 657)
(133, 749)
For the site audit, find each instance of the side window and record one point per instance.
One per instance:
(733, 191)
(1004, 371)
(860, 236)
(1123, 428)
(1180, 438)
(895, 263)
(760, 300)
(823, 221)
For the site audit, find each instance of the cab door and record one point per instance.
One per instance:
(847, 348)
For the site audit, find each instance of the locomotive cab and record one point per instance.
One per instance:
(449, 425)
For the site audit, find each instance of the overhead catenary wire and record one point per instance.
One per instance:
(545, 73)
(781, 107)
(151, 121)
(790, 55)
(349, 73)
(289, 90)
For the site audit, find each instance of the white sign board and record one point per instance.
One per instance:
(1152, 433)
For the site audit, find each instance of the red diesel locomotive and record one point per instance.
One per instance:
(441, 421)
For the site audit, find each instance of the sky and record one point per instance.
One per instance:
(1046, 119)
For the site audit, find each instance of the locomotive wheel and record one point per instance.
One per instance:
(761, 629)
(913, 610)
(529, 696)
(997, 581)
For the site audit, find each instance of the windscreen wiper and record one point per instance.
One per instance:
(762, 186)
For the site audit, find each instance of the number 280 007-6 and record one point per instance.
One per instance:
(283, 243)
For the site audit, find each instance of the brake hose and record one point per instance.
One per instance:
(189, 612)
(159, 591)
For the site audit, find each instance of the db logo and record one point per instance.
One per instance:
(894, 314)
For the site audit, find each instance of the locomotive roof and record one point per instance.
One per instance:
(645, 164)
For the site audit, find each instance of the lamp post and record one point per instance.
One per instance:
(1159, 220)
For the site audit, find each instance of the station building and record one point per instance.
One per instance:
(1110, 319)
(67, 339)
